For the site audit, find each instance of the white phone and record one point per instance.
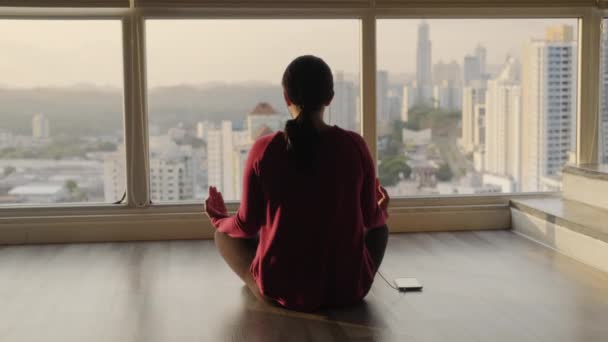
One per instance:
(408, 284)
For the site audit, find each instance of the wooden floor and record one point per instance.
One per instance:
(479, 286)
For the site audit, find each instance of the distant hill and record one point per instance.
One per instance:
(90, 111)
(218, 102)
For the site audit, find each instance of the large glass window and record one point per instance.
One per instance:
(475, 106)
(61, 111)
(214, 87)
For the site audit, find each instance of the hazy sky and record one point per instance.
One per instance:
(63, 53)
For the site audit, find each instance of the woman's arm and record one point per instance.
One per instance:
(248, 219)
(374, 198)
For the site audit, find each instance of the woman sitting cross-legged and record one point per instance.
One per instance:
(311, 229)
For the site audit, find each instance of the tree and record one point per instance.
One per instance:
(71, 185)
(391, 169)
(444, 173)
(75, 192)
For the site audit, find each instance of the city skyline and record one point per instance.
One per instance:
(451, 127)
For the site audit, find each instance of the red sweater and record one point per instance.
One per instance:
(312, 226)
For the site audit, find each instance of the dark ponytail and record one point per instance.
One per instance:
(309, 84)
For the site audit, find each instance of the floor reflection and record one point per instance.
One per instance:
(257, 321)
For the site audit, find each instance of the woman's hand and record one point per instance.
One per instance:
(383, 197)
(215, 207)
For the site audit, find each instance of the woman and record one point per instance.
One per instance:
(312, 195)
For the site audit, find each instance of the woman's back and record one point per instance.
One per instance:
(311, 251)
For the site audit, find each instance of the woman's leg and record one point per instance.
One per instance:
(239, 254)
(375, 241)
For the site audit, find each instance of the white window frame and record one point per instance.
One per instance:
(138, 219)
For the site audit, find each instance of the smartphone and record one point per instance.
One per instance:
(408, 284)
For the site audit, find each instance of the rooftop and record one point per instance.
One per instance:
(263, 108)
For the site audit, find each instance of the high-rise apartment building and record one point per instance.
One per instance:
(227, 149)
(503, 127)
(549, 107)
(173, 170)
(41, 127)
(342, 111)
(424, 76)
(224, 146)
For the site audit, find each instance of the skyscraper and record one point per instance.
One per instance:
(481, 55)
(342, 111)
(41, 127)
(503, 126)
(549, 107)
(424, 76)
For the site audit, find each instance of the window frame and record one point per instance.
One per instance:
(138, 206)
(122, 15)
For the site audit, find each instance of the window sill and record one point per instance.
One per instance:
(175, 221)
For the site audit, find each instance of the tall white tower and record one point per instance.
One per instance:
(424, 76)
(549, 106)
(503, 124)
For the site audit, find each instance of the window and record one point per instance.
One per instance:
(61, 111)
(209, 98)
(466, 106)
